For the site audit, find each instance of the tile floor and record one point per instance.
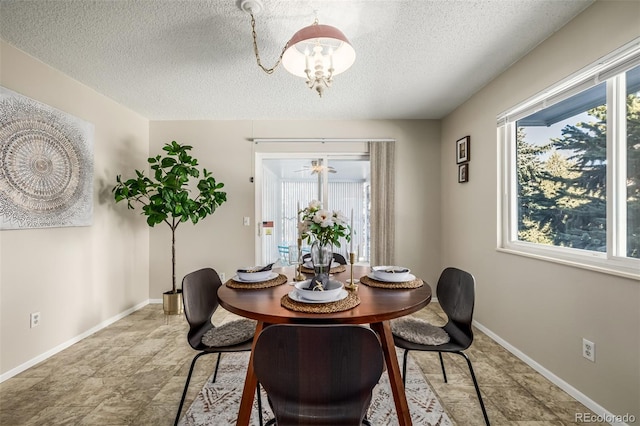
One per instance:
(133, 373)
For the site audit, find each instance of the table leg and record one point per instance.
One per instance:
(393, 370)
(250, 383)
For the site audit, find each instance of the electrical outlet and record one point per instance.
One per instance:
(222, 277)
(246, 221)
(35, 319)
(589, 350)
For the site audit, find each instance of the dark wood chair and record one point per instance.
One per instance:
(337, 257)
(456, 295)
(318, 374)
(200, 298)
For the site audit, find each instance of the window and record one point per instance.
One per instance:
(571, 169)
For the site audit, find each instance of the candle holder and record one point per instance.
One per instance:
(351, 283)
(299, 276)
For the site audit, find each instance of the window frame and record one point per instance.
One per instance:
(614, 261)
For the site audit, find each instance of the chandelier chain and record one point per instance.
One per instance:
(255, 49)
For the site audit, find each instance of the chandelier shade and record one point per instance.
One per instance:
(318, 47)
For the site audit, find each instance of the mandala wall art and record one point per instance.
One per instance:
(46, 165)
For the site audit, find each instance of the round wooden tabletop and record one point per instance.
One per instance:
(376, 304)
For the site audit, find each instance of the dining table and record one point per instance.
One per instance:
(376, 306)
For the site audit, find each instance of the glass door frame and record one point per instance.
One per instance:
(326, 157)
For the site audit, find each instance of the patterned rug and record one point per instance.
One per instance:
(218, 403)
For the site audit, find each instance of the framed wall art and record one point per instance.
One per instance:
(463, 173)
(46, 165)
(463, 147)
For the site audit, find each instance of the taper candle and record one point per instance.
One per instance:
(351, 239)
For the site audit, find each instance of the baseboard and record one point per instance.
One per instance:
(579, 396)
(19, 369)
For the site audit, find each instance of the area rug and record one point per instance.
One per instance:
(218, 403)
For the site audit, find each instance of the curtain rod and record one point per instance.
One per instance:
(322, 140)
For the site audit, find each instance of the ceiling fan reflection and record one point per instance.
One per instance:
(317, 167)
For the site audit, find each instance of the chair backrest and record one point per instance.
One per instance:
(284, 254)
(456, 296)
(318, 374)
(200, 298)
(337, 257)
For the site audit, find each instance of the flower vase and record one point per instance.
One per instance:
(321, 257)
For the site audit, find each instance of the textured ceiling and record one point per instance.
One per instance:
(187, 60)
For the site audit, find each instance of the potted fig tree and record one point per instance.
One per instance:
(168, 196)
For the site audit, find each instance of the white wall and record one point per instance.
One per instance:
(76, 277)
(543, 309)
(222, 242)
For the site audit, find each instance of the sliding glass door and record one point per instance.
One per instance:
(288, 182)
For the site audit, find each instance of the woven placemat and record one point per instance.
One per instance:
(335, 270)
(351, 301)
(383, 284)
(279, 280)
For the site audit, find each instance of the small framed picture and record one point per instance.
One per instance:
(463, 152)
(463, 173)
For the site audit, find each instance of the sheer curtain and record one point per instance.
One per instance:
(382, 157)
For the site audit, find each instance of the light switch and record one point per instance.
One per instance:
(246, 221)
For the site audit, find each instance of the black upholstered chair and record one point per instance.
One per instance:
(456, 295)
(337, 257)
(318, 374)
(200, 298)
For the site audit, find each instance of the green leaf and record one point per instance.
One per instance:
(168, 162)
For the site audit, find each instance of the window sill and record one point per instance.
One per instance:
(630, 269)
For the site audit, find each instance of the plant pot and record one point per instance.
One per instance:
(172, 302)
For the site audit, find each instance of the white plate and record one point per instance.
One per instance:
(295, 296)
(270, 277)
(309, 265)
(409, 277)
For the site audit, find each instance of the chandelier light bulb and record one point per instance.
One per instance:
(331, 59)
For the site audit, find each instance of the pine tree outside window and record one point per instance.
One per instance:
(571, 169)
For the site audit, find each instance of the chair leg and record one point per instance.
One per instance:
(444, 373)
(475, 384)
(215, 374)
(259, 403)
(404, 367)
(186, 386)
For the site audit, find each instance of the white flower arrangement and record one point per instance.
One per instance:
(323, 225)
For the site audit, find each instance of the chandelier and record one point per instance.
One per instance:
(316, 53)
